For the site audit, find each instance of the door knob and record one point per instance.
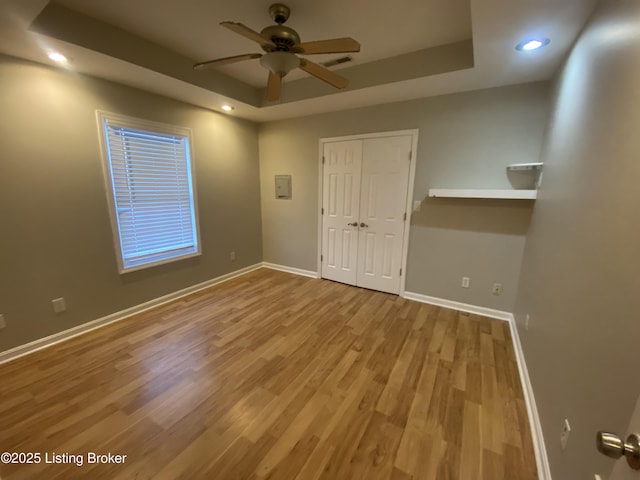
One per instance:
(611, 445)
(363, 225)
(354, 224)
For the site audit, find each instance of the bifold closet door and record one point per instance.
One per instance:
(365, 184)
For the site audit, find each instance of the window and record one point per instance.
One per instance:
(149, 177)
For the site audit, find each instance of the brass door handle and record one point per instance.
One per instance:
(354, 224)
(611, 445)
(363, 225)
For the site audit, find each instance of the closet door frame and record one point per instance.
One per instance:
(409, 203)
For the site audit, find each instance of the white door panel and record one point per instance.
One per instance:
(369, 257)
(621, 470)
(340, 202)
(330, 253)
(383, 199)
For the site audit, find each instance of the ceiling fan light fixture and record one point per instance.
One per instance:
(280, 63)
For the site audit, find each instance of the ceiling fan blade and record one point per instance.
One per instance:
(274, 86)
(246, 32)
(323, 74)
(226, 60)
(334, 45)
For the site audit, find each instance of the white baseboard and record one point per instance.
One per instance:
(45, 342)
(296, 271)
(542, 461)
(540, 451)
(463, 307)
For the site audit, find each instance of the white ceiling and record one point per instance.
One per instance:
(384, 29)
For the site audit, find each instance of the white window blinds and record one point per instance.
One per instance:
(151, 192)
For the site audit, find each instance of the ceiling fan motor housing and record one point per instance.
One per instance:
(285, 38)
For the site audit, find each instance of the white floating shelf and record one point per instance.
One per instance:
(482, 193)
(524, 166)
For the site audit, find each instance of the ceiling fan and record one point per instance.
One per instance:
(281, 45)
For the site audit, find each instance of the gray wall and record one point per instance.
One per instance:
(465, 141)
(580, 278)
(55, 235)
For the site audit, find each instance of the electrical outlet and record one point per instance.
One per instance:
(59, 305)
(597, 477)
(465, 282)
(2, 322)
(417, 204)
(564, 437)
(526, 322)
(497, 289)
(232, 256)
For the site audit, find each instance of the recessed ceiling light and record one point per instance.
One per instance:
(227, 108)
(57, 57)
(532, 44)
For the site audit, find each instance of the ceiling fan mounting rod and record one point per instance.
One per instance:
(279, 12)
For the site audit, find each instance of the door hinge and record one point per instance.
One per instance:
(322, 211)
(400, 272)
(321, 258)
(410, 155)
(405, 216)
(323, 159)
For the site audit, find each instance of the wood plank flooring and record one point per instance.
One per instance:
(275, 376)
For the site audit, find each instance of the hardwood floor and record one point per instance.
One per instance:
(275, 376)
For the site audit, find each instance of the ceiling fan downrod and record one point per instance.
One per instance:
(279, 12)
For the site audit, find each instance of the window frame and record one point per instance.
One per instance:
(153, 127)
